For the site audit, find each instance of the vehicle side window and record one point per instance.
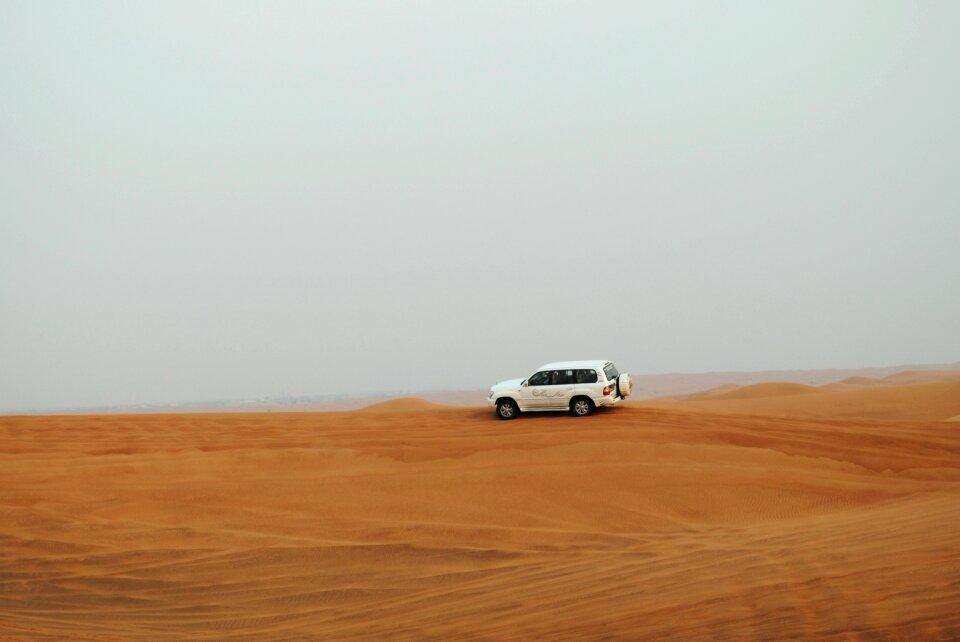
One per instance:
(564, 377)
(586, 376)
(540, 379)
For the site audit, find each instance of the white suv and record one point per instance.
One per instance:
(577, 386)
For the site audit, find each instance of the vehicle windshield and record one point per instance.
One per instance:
(611, 371)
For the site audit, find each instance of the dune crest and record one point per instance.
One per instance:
(402, 404)
(773, 389)
(905, 377)
(908, 377)
(710, 392)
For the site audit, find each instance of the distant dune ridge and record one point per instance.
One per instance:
(918, 401)
(758, 385)
(758, 390)
(920, 395)
(402, 404)
(905, 377)
(646, 386)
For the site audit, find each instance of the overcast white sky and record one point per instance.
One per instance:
(204, 201)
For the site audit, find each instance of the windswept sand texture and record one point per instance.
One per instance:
(411, 522)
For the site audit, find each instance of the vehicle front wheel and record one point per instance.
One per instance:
(507, 409)
(581, 407)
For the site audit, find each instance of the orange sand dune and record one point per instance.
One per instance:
(402, 404)
(775, 389)
(925, 402)
(632, 524)
(716, 391)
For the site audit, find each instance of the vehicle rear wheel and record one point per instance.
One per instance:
(507, 409)
(581, 407)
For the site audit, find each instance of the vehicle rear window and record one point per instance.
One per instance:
(564, 377)
(611, 371)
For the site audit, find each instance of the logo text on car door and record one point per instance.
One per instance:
(540, 392)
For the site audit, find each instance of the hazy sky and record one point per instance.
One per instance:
(203, 201)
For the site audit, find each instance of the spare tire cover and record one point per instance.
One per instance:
(624, 383)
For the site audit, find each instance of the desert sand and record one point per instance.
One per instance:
(412, 521)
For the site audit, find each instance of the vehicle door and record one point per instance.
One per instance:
(562, 389)
(533, 392)
(586, 383)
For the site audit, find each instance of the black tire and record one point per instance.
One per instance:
(581, 406)
(507, 409)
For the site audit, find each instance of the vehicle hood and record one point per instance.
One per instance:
(509, 384)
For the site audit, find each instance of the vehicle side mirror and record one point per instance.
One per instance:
(523, 384)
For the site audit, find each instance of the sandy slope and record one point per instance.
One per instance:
(906, 377)
(925, 402)
(421, 523)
